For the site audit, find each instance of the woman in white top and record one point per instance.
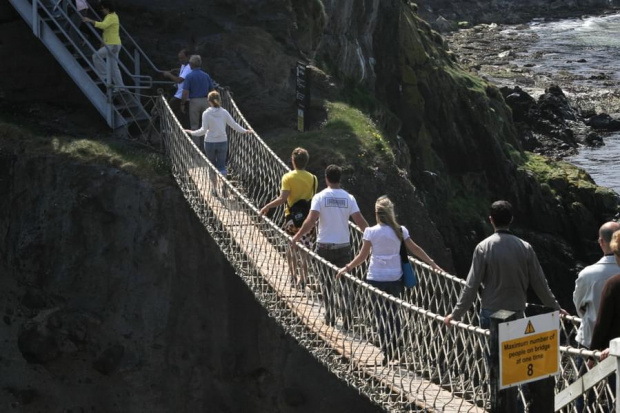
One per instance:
(385, 270)
(214, 121)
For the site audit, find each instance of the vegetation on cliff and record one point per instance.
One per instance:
(130, 157)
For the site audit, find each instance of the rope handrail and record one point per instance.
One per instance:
(397, 350)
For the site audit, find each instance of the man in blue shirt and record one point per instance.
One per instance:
(196, 87)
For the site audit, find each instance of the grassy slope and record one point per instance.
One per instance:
(124, 155)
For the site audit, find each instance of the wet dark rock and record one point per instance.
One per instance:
(37, 344)
(600, 76)
(520, 102)
(603, 121)
(594, 140)
(543, 124)
(441, 24)
(23, 396)
(34, 299)
(109, 360)
(555, 106)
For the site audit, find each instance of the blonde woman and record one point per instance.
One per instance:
(382, 242)
(214, 121)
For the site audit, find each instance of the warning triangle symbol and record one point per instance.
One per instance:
(530, 328)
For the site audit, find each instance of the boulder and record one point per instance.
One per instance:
(520, 102)
(594, 140)
(443, 25)
(603, 121)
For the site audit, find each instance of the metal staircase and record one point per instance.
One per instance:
(56, 23)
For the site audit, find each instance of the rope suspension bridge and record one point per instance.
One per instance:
(433, 369)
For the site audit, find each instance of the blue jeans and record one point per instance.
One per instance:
(387, 318)
(216, 154)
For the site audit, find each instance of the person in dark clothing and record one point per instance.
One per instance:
(607, 325)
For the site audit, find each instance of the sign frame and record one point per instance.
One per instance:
(302, 95)
(529, 344)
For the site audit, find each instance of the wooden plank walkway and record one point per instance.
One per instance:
(363, 356)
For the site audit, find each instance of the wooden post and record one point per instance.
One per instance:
(502, 401)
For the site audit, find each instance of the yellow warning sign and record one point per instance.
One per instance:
(530, 328)
(528, 358)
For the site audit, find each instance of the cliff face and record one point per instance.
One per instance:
(116, 299)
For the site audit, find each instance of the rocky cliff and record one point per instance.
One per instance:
(115, 299)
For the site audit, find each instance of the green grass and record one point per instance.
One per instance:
(127, 156)
(348, 138)
(548, 171)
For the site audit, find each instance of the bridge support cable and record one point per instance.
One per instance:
(428, 366)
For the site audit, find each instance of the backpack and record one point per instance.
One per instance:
(299, 211)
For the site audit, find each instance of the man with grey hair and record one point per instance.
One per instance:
(590, 281)
(196, 87)
(587, 297)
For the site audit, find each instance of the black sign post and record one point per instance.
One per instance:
(303, 96)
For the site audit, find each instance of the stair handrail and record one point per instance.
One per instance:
(49, 12)
(135, 44)
(137, 78)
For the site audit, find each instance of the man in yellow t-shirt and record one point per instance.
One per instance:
(296, 185)
(111, 47)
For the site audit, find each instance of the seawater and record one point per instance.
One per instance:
(601, 163)
(560, 45)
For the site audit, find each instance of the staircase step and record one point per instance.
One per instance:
(127, 105)
(138, 118)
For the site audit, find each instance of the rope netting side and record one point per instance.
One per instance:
(396, 351)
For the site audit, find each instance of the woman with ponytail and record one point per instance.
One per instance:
(382, 242)
(214, 121)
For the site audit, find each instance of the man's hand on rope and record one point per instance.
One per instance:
(344, 269)
(447, 320)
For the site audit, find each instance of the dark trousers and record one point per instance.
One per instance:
(175, 105)
(333, 299)
(386, 314)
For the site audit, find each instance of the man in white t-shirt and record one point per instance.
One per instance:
(176, 101)
(332, 208)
